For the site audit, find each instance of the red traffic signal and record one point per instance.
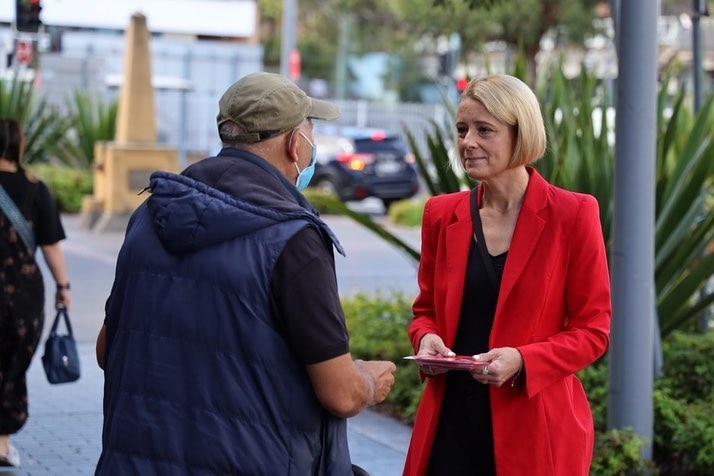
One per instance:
(461, 84)
(27, 15)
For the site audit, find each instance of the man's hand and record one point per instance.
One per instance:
(380, 375)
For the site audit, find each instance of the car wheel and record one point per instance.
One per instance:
(326, 186)
(388, 203)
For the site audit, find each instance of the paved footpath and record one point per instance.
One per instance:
(63, 434)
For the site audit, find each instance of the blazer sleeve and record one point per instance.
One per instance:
(585, 335)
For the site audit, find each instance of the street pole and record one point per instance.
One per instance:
(699, 9)
(345, 21)
(615, 14)
(288, 36)
(631, 372)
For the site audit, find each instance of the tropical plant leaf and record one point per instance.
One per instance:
(92, 121)
(321, 200)
(44, 127)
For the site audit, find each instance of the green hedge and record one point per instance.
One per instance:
(683, 397)
(67, 185)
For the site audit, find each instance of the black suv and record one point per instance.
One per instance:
(356, 163)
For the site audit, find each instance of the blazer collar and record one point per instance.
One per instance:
(529, 227)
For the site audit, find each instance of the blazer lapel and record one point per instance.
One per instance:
(528, 229)
(458, 243)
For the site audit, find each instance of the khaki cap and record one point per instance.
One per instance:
(267, 104)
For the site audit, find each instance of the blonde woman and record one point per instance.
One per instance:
(513, 272)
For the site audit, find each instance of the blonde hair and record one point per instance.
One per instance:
(511, 101)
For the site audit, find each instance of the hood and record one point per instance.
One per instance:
(189, 215)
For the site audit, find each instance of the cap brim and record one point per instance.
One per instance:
(323, 110)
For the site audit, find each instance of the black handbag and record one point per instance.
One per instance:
(61, 360)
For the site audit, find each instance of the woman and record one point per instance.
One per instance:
(522, 286)
(23, 296)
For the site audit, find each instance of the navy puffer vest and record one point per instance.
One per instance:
(198, 379)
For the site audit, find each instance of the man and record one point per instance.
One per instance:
(224, 346)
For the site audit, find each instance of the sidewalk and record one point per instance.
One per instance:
(62, 436)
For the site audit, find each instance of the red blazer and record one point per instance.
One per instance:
(553, 306)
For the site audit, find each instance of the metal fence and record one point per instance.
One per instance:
(188, 121)
(189, 78)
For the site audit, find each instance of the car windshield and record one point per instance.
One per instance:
(369, 145)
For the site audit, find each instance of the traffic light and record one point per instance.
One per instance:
(27, 15)
(461, 83)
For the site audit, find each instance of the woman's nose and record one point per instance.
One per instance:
(470, 140)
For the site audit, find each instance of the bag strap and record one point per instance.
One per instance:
(17, 219)
(481, 241)
(61, 313)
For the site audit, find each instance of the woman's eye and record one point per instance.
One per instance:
(461, 131)
(484, 130)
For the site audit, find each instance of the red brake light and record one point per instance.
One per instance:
(378, 136)
(355, 161)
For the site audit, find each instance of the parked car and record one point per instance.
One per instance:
(356, 163)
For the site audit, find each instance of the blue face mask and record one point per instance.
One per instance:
(304, 176)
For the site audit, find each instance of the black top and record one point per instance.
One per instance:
(36, 204)
(303, 289)
(302, 286)
(463, 444)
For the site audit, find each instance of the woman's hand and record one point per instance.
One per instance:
(432, 344)
(504, 363)
(62, 299)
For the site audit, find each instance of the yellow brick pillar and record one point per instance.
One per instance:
(122, 167)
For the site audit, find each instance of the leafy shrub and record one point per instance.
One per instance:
(378, 330)
(669, 415)
(67, 185)
(683, 400)
(594, 379)
(684, 434)
(378, 325)
(618, 452)
(689, 367)
(693, 442)
(407, 212)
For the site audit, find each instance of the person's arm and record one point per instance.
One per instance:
(308, 312)
(345, 387)
(101, 346)
(55, 262)
(585, 335)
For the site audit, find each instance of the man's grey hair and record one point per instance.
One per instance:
(229, 132)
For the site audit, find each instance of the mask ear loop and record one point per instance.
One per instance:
(290, 139)
(290, 145)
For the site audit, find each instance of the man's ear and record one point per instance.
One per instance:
(292, 146)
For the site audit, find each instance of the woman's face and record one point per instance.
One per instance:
(485, 144)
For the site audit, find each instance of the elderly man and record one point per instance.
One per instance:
(224, 345)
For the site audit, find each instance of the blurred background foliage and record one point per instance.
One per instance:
(53, 136)
(415, 28)
(580, 156)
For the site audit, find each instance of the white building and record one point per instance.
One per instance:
(198, 47)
